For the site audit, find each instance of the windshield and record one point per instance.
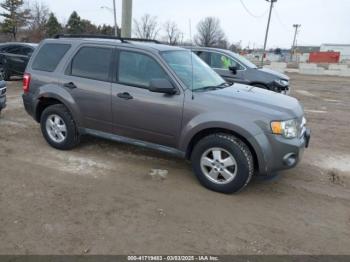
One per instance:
(244, 60)
(201, 76)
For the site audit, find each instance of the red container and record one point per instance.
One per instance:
(324, 57)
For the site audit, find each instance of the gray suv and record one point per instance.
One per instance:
(163, 98)
(235, 68)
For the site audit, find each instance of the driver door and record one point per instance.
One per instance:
(139, 113)
(221, 63)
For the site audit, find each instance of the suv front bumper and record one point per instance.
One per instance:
(279, 153)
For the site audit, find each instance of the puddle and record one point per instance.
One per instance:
(339, 162)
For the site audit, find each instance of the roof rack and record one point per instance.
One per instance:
(122, 39)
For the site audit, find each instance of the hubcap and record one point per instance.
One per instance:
(56, 128)
(218, 165)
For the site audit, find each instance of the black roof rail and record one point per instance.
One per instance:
(122, 39)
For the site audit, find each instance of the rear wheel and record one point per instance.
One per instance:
(222, 163)
(59, 128)
(4, 73)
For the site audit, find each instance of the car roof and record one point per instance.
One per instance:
(200, 48)
(153, 47)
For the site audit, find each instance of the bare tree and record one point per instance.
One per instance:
(173, 33)
(210, 33)
(39, 15)
(147, 27)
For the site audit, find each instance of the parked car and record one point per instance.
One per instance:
(14, 58)
(150, 95)
(2, 95)
(235, 68)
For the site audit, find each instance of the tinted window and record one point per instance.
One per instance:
(49, 57)
(204, 56)
(26, 51)
(13, 49)
(92, 62)
(220, 61)
(138, 70)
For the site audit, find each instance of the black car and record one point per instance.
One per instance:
(2, 95)
(14, 58)
(234, 68)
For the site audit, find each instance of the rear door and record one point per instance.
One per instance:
(88, 79)
(139, 113)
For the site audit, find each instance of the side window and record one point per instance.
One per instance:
(138, 70)
(13, 49)
(49, 57)
(220, 61)
(26, 51)
(93, 63)
(204, 56)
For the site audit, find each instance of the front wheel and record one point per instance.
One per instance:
(59, 128)
(222, 163)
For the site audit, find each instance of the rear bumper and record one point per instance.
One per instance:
(279, 153)
(28, 102)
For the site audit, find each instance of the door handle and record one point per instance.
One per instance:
(125, 96)
(70, 85)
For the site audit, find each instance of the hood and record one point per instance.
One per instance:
(273, 72)
(260, 101)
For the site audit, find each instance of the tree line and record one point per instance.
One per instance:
(36, 22)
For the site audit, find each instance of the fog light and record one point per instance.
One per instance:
(290, 159)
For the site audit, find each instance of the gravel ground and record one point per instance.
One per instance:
(101, 199)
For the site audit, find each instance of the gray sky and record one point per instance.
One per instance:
(323, 21)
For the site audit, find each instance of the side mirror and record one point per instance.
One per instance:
(162, 86)
(233, 69)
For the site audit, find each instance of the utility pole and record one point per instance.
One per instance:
(267, 30)
(126, 18)
(115, 19)
(296, 26)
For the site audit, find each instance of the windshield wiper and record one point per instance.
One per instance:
(208, 88)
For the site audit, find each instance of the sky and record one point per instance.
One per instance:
(322, 21)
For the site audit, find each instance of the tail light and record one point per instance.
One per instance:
(26, 82)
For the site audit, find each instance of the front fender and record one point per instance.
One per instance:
(61, 94)
(236, 124)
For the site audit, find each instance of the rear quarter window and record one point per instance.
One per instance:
(49, 57)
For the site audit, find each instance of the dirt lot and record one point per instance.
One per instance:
(100, 198)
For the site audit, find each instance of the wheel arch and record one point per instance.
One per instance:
(49, 99)
(209, 131)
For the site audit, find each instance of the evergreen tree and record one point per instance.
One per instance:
(74, 25)
(53, 27)
(14, 16)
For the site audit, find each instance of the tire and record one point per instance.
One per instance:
(5, 74)
(231, 146)
(71, 134)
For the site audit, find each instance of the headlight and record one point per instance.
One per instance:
(288, 129)
(282, 82)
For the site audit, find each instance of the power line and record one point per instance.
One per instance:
(280, 21)
(250, 13)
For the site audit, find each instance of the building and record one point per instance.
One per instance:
(344, 50)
